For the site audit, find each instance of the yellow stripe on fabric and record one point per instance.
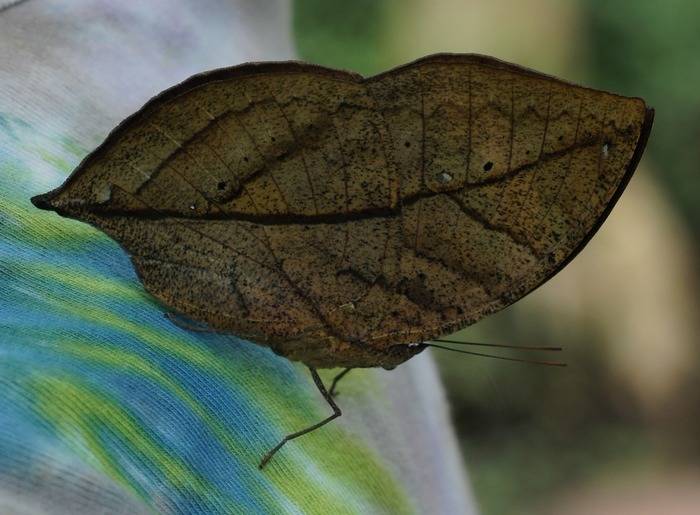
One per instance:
(86, 409)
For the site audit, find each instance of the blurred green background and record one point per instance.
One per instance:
(615, 431)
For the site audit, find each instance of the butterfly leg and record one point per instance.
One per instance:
(329, 400)
(331, 390)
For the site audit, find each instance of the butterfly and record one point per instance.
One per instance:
(345, 221)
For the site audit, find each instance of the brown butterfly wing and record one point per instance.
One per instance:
(505, 175)
(334, 218)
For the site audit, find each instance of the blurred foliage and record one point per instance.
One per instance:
(655, 47)
(529, 432)
(342, 34)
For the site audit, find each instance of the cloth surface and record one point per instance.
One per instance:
(105, 405)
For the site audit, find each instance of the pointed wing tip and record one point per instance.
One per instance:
(44, 201)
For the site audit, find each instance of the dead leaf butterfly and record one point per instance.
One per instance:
(344, 221)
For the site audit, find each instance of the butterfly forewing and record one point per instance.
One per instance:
(335, 218)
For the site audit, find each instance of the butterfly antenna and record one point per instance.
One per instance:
(500, 346)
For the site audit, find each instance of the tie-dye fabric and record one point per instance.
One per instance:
(106, 406)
